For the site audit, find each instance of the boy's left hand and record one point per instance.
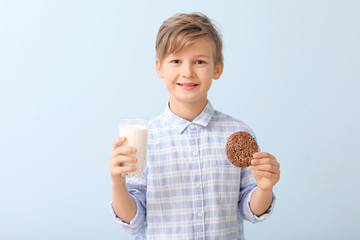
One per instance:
(266, 170)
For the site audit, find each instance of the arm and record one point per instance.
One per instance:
(124, 204)
(266, 171)
(260, 201)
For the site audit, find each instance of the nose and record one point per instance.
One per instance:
(187, 70)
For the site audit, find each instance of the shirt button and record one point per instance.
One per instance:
(200, 214)
(192, 126)
(195, 153)
(198, 184)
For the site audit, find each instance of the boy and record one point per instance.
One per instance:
(191, 190)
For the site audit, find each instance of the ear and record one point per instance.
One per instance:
(218, 70)
(159, 69)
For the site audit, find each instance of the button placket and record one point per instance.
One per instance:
(197, 180)
(194, 135)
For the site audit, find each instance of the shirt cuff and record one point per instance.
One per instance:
(250, 216)
(136, 223)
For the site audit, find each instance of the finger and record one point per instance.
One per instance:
(118, 142)
(261, 161)
(118, 160)
(258, 155)
(265, 174)
(267, 168)
(120, 170)
(123, 150)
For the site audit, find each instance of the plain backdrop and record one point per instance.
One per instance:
(69, 70)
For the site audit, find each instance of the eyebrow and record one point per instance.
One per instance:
(196, 56)
(202, 56)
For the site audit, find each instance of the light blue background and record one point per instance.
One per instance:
(70, 69)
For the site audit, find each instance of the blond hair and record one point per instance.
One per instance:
(182, 30)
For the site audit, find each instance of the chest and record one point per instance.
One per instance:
(182, 164)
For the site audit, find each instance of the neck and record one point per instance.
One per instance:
(188, 111)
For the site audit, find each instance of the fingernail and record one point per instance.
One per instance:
(123, 138)
(134, 160)
(134, 149)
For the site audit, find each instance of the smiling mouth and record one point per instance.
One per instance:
(187, 84)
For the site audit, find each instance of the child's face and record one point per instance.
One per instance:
(188, 74)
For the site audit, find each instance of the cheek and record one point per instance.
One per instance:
(169, 83)
(207, 76)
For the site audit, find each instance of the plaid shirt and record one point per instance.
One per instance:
(191, 190)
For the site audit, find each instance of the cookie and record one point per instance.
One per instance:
(240, 147)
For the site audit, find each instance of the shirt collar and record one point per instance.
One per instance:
(180, 124)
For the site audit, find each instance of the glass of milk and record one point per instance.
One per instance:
(136, 132)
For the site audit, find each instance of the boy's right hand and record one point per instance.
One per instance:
(117, 159)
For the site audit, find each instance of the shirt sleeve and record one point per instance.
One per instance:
(137, 190)
(248, 186)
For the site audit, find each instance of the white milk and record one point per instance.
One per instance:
(136, 136)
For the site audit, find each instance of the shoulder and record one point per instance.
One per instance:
(157, 122)
(232, 124)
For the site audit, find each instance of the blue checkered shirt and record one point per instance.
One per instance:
(191, 190)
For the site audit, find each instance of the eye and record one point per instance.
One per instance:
(176, 61)
(200, 62)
